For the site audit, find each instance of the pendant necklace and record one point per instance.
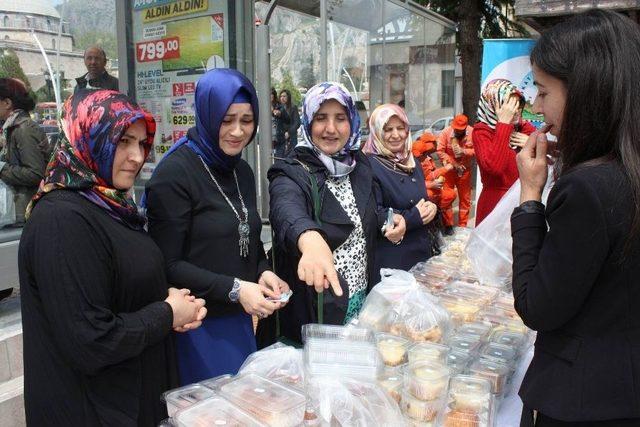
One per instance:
(243, 225)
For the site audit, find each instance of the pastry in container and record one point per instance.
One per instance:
(374, 310)
(428, 351)
(216, 382)
(465, 343)
(480, 295)
(462, 310)
(284, 364)
(511, 339)
(392, 348)
(480, 329)
(267, 401)
(499, 352)
(469, 403)
(426, 380)
(215, 411)
(495, 372)
(421, 410)
(184, 397)
(392, 381)
(458, 361)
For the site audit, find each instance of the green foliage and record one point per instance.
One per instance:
(287, 83)
(10, 67)
(494, 23)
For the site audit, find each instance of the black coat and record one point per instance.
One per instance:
(401, 191)
(572, 284)
(288, 121)
(292, 213)
(104, 81)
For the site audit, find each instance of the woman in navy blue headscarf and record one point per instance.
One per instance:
(201, 207)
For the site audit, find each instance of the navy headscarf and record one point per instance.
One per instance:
(216, 90)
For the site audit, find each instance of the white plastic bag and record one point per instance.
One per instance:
(489, 247)
(283, 364)
(7, 205)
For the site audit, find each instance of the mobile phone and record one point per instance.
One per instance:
(388, 222)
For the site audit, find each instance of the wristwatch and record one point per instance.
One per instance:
(234, 294)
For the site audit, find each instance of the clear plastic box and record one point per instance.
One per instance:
(428, 351)
(458, 361)
(480, 329)
(391, 380)
(216, 382)
(481, 295)
(184, 397)
(269, 402)
(511, 339)
(393, 349)
(215, 411)
(337, 333)
(342, 358)
(499, 352)
(426, 380)
(493, 371)
(469, 344)
(425, 411)
(462, 310)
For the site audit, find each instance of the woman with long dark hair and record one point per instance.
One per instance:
(287, 124)
(576, 282)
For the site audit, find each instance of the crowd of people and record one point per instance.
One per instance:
(113, 297)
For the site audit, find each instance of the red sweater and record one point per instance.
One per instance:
(497, 163)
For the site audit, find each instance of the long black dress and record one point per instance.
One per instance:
(97, 348)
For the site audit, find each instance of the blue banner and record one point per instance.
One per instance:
(509, 59)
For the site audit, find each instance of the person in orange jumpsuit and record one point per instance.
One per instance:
(455, 148)
(422, 149)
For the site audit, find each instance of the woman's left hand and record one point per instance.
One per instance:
(396, 234)
(430, 210)
(275, 283)
(532, 167)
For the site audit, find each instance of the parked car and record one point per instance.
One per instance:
(439, 125)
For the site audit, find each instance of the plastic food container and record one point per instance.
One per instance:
(458, 361)
(469, 393)
(337, 333)
(462, 310)
(268, 401)
(500, 353)
(424, 272)
(342, 358)
(465, 343)
(479, 329)
(215, 411)
(480, 295)
(393, 349)
(216, 382)
(284, 364)
(495, 372)
(428, 351)
(184, 397)
(511, 339)
(374, 311)
(391, 380)
(426, 380)
(421, 410)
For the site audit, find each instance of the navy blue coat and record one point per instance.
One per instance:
(401, 191)
(291, 214)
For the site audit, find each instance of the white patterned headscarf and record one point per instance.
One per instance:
(342, 162)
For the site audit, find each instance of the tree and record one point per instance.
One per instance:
(307, 76)
(477, 19)
(287, 83)
(10, 67)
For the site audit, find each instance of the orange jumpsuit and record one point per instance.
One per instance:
(454, 181)
(431, 173)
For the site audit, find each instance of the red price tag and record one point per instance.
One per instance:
(158, 50)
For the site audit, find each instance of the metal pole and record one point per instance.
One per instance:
(264, 99)
(323, 40)
(57, 80)
(46, 61)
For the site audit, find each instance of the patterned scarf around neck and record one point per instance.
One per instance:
(93, 123)
(343, 162)
(375, 144)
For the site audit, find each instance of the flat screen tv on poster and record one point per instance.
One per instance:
(201, 41)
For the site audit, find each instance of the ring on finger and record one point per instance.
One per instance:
(261, 315)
